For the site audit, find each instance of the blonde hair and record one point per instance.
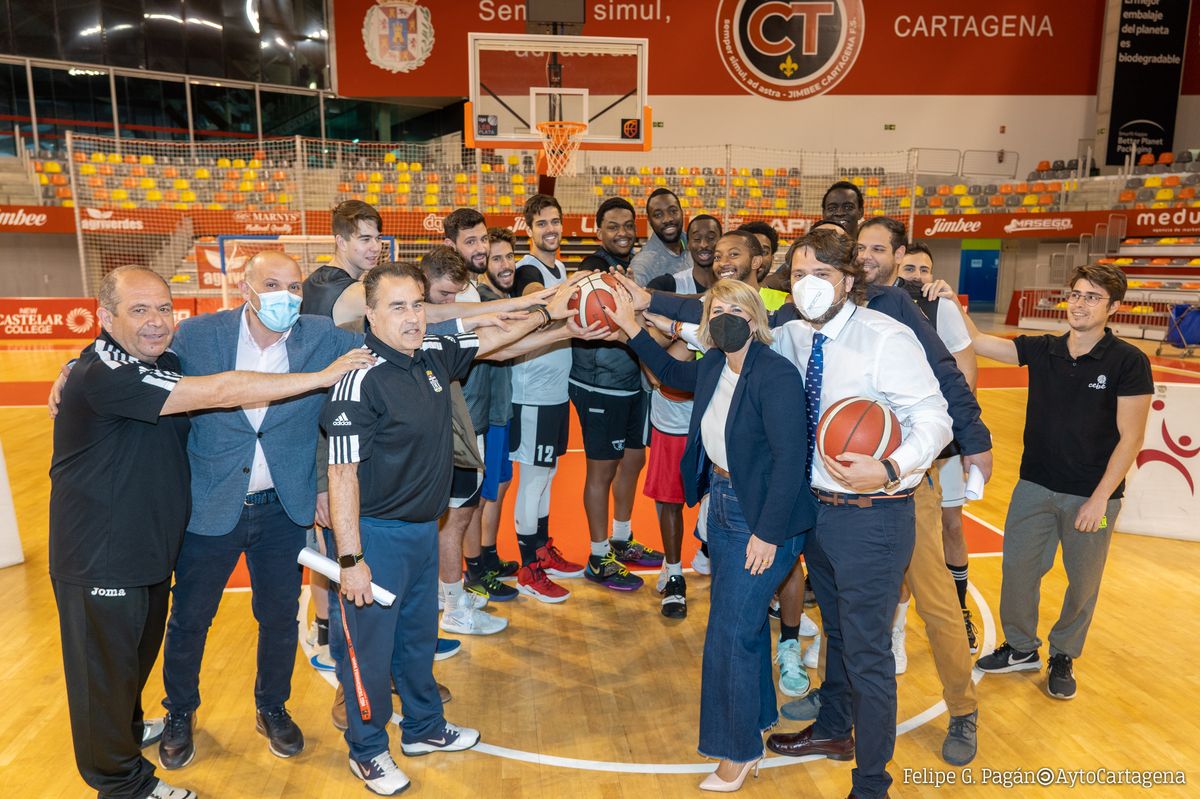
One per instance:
(735, 292)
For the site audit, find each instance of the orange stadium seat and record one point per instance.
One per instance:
(1146, 159)
(1043, 166)
(1127, 196)
(996, 201)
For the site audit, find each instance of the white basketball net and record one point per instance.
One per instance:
(560, 142)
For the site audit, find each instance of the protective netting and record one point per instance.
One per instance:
(152, 202)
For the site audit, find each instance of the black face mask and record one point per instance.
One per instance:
(729, 332)
(914, 288)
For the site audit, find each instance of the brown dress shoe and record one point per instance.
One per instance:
(444, 693)
(339, 709)
(799, 744)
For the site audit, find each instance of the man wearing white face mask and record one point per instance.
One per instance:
(254, 491)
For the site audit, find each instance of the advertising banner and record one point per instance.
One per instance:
(783, 51)
(1162, 491)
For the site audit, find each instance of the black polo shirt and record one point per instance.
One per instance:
(120, 492)
(393, 420)
(1071, 415)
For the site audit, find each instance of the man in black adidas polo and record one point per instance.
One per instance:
(119, 503)
(390, 471)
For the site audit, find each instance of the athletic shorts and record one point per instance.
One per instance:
(663, 480)
(611, 423)
(465, 483)
(954, 488)
(497, 468)
(538, 436)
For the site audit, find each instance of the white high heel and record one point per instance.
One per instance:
(714, 783)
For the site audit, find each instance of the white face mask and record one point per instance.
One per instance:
(813, 296)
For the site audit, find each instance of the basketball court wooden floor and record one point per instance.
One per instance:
(597, 697)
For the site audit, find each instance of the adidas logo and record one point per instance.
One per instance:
(341, 421)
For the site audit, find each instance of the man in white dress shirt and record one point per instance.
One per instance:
(865, 527)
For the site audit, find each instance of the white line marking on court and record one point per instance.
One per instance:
(537, 758)
(986, 524)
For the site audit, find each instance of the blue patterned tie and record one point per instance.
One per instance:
(812, 391)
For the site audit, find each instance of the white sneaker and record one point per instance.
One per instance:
(476, 601)
(152, 731)
(381, 774)
(701, 563)
(812, 655)
(808, 627)
(164, 791)
(467, 620)
(793, 679)
(452, 738)
(898, 650)
(322, 660)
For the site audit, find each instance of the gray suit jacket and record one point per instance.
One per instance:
(221, 443)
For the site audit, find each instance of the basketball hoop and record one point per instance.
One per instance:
(560, 141)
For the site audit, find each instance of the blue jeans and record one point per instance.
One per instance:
(737, 685)
(392, 644)
(270, 541)
(856, 561)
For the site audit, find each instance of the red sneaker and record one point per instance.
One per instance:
(532, 581)
(554, 564)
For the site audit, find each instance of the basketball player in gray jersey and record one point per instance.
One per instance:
(540, 414)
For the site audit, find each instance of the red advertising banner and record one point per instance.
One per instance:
(36, 219)
(63, 317)
(405, 48)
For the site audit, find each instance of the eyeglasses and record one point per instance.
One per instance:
(1092, 300)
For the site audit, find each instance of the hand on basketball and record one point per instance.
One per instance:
(557, 306)
(860, 473)
(357, 358)
(1087, 520)
(540, 297)
(981, 459)
(638, 295)
(597, 331)
(658, 322)
(624, 316)
(355, 584)
(759, 555)
(501, 320)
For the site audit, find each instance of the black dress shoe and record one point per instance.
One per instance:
(799, 744)
(283, 736)
(176, 748)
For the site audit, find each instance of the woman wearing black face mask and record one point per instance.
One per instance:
(759, 507)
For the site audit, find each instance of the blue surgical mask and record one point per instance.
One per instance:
(278, 310)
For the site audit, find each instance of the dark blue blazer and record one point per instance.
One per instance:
(969, 430)
(768, 464)
(221, 444)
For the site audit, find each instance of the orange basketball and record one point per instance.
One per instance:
(858, 424)
(594, 295)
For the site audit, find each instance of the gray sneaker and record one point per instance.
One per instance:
(804, 708)
(960, 745)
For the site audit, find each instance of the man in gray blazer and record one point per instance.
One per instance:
(254, 491)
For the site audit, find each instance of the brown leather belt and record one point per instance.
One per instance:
(857, 500)
(720, 472)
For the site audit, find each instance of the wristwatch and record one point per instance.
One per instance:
(349, 561)
(893, 479)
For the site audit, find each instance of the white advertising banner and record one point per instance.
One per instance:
(1162, 492)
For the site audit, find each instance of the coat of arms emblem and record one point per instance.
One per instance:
(398, 35)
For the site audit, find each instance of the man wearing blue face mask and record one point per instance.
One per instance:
(254, 491)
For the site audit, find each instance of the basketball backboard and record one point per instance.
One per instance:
(520, 80)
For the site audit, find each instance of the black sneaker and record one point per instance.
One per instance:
(284, 738)
(611, 573)
(1006, 659)
(176, 747)
(635, 553)
(1061, 682)
(773, 610)
(972, 633)
(489, 586)
(674, 598)
(506, 568)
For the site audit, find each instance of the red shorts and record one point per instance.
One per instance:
(663, 481)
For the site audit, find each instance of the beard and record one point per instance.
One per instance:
(831, 312)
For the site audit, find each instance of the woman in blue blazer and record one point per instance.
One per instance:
(747, 449)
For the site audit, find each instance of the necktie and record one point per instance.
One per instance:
(812, 392)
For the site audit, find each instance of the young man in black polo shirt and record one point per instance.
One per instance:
(1089, 395)
(606, 390)
(119, 502)
(389, 481)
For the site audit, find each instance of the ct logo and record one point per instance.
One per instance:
(789, 50)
